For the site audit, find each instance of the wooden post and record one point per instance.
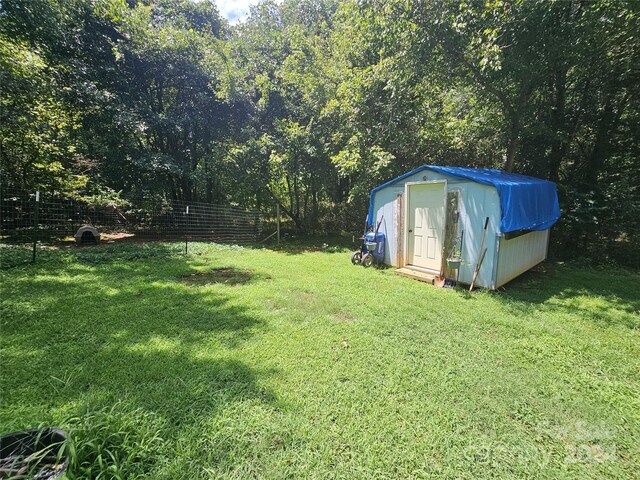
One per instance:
(399, 230)
(35, 226)
(450, 231)
(278, 222)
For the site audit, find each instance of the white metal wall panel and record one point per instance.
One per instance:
(519, 254)
(477, 201)
(385, 204)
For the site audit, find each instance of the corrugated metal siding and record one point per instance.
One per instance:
(519, 254)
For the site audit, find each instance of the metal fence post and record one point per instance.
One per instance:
(35, 225)
(186, 236)
(278, 222)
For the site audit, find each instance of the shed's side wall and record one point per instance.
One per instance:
(385, 205)
(477, 202)
(519, 254)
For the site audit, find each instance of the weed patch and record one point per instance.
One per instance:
(114, 443)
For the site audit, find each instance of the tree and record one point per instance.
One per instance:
(310, 104)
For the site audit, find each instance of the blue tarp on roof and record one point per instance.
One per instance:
(526, 203)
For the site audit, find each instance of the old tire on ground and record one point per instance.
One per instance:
(37, 453)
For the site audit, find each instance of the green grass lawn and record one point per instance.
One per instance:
(238, 362)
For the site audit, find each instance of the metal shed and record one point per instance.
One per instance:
(425, 212)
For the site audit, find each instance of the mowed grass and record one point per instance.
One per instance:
(236, 362)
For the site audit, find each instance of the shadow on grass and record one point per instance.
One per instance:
(605, 296)
(307, 244)
(81, 334)
(12, 256)
(20, 255)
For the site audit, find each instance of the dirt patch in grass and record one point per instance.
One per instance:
(306, 296)
(343, 317)
(226, 275)
(115, 236)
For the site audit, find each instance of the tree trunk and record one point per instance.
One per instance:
(558, 124)
(314, 209)
(287, 212)
(290, 192)
(606, 128)
(515, 119)
(209, 194)
(513, 144)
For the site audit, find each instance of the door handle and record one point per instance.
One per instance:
(410, 230)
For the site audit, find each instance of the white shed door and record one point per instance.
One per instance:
(425, 225)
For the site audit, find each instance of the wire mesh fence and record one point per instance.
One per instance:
(49, 218)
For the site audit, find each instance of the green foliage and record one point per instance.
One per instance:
(35, 128)
(309, 104)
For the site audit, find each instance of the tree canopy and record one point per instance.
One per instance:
(311, 103)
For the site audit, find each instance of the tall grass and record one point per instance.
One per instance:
(113, 444)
